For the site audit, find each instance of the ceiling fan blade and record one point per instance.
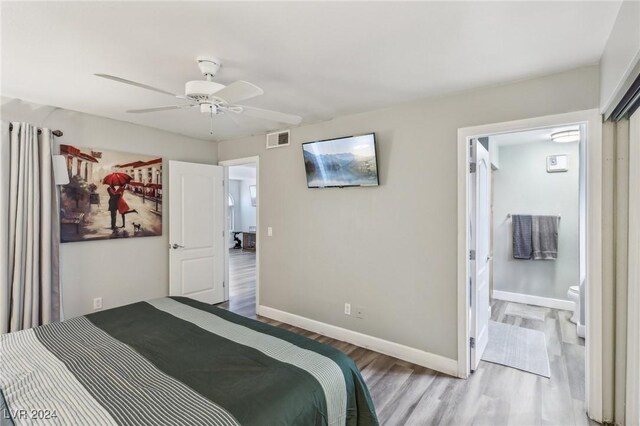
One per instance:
(238, 91)
(266, 114)
(162, 108)
(233, 118)
(133, 83)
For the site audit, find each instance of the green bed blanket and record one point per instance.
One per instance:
(175, 361)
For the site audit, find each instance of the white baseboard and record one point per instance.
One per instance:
(396, 350)
(545, 302)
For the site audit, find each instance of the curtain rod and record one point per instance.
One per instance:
(57, 133)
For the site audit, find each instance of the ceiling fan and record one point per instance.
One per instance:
(213, 98)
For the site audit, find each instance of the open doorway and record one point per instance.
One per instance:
(529, 256)
(533, 263)
(241, 232)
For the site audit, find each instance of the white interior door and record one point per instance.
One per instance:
(196, 231)
(480, 257)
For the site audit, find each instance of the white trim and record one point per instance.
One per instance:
(632, 414)
(593, 120)
(396, 350)
(545, 302)
(593, 298)
(464, 356)
(239, 162)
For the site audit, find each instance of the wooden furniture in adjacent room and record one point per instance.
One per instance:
(249, 240)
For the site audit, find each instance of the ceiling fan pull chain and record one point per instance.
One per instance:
(211, 120)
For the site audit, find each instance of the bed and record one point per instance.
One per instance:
(174, 361)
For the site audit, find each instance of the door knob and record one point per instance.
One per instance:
(176, 246)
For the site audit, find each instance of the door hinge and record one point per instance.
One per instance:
(472, 342)
(223, 284)
(472, 255)
(472, 167)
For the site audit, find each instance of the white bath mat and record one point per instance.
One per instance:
(525, 311)
(517, 347)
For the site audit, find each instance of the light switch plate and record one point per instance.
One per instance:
(347, 308)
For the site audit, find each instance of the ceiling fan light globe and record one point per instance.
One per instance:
(209, 108)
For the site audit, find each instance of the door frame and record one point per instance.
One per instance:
(240, 162)
(592, 119)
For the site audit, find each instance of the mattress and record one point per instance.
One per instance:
(175, 361)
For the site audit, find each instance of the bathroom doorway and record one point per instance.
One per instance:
(528, 269)
(538, 176)
(242, 235)
(523, 233)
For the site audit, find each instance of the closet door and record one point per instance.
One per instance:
(632, 415)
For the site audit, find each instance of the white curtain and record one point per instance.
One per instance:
(29, 229)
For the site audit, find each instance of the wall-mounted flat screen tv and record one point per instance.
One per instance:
(341, 162)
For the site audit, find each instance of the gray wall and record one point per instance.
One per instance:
(522, 185)
(121, 271)
(364, 245)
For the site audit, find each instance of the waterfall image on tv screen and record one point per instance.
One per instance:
(349, 161)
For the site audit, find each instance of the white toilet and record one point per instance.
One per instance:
(574, 295)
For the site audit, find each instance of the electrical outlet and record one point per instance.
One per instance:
(269, 231)
(359, 311)
(97, 303)
(347, 308)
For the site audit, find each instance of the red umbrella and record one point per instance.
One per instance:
(116, 179)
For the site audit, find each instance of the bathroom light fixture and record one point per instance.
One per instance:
(566, 136)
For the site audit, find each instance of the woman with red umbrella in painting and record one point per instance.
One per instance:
(117, 203)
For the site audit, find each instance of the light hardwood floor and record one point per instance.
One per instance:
(242, 283)
(407, 394)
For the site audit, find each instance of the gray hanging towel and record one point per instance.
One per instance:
(544, 235)
(522, 248)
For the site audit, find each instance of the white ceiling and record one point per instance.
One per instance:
(245, 172)
(316, 59)
(528, 136)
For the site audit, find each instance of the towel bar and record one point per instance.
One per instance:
(509, 215)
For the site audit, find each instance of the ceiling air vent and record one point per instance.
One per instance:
(277, 139)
